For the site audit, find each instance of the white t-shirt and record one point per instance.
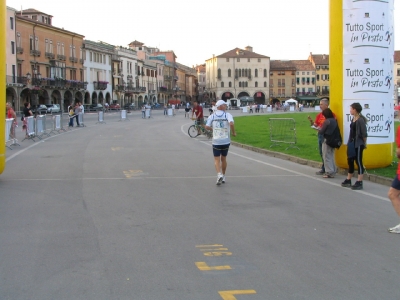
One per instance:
(82, 109)
(220, 123)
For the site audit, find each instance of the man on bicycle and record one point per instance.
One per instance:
(198, 112)
(222, 125)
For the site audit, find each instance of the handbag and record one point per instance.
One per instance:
(335, 139)
(351, 149)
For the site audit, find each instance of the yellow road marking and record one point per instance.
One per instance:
(199, 246)
(202, 266)
(228, 295)
(217, 253)
(116, 148)
(213, 249)
(132, 173)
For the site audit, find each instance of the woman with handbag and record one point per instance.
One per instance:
(328, 152)
(355, 146)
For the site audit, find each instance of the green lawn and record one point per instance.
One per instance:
(255, 131)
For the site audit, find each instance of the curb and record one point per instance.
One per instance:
(370, 177)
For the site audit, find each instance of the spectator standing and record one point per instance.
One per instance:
(77, 111)
(165, 109)
(357, 136)
(328, 153)
(317, 124)
(143, 112)
(71, 115)
(12, 115)
(27, 112)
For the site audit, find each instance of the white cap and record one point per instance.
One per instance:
(220, 102)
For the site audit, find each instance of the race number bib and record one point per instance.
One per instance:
(220, 133)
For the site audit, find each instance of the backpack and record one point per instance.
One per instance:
(335, 139)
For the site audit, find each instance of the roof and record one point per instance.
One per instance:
(320, 59)
(237, 52)
(278, 65)
(397, 56)
(303, 65)
(136, 43)
(31, 11)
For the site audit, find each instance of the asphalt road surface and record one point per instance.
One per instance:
(130, 210)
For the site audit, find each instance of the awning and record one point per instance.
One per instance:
(308, 98)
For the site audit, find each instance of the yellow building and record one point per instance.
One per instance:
(49, 62)
(321, 65)
(282, 80)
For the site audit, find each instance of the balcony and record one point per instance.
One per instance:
(162, 89)
(81, 61)
(16, 80)
(120, 88)
(142, 89)
(20, 50)
(306, 94)
(167, 77)
(100, 85)
(49, 55)
(35, 52)
(176, 78)
(130, 88)
(61, 57)
(36, 81)
(73, 59)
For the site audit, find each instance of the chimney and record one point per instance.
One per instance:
(249, 48)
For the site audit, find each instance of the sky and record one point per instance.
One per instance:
(195, 31)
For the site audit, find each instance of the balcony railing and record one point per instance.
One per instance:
(306, 94)
(49, 55)
(35, 52)
(176, 78)
(142, 88)
(36, 81)
(61, 57)
(167, 77)
(81, 60)
(100, 85)
(16, 80)
(73, 59)
(162, 89)
(120, 88)
(20, 50)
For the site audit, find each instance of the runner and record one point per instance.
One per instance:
(222, 125)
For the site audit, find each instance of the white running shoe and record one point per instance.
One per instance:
(395, 229)
(219, 178)
(223, 178)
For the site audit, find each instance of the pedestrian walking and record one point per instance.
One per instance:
(356, 145)
(165, 109)
(222, 125)
(394, 190)
(317, 124)
(27, 112)
(187, 111)
(77, 111)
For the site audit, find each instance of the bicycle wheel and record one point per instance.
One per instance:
(192, 131)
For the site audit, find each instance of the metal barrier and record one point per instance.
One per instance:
(100, 117)
(40, 126)
(56, 124)
(30, 128)
(123, 115)
(283, 130)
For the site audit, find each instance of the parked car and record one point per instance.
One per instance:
(53, 108)
(95, 107)
(40, 109)
(129, 106)
(114, 106)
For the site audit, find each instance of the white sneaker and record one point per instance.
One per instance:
(395, 229)
(223, 178)
(219, 179)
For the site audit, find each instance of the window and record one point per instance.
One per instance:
(62, 49)
(265, 84)
(308, 73)
(230, 84)
(51, 46)
(229, 72)
(11, 23)
(398, 72)
(256, 84)
(12, 47)
(265, 72)
(58, 48)
(297, 73)
(255, 72)
(238, 59)
(222, 84)
(31, 43)
(46, 45)
(248, 60)
(227, 59)
(259, 60)
(298, 80)
(303, 73)
(247, 84)
(240, 84)
(219, 74)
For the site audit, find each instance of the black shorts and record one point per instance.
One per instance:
(396, 183)
(219, 150)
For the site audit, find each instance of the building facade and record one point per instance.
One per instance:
(305, 81)
(97, 71)
(282, 80)
(396, 73)
(240, 74)
(49, 62)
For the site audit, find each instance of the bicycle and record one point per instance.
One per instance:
(197, 129)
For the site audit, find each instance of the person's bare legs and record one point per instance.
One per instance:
(217, 164)
(224, 164)
(394, 196)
